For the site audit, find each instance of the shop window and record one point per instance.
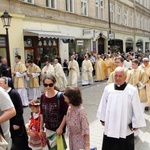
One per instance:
(47, 42)
(28, 42)
(47, 49)
(48, 53)
(3, 53)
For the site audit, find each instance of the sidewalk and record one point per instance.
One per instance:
(91, 98)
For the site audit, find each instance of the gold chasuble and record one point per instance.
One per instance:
(34, 83)
(147, 70)
(19, 82)
(100, 69)
(109, 66)
(138, 78)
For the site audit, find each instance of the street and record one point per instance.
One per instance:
(91, 98)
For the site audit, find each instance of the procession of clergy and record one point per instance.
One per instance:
(29, 75)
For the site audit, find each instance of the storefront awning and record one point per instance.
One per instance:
(48, 34)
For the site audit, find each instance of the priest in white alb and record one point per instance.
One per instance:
(120, 113)
(47, 70)
(59, 75)
(87, 69)
(74, 72)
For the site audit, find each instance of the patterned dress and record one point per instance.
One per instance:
(78, 126)
(35, 141)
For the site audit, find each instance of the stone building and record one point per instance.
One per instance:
(47, 28)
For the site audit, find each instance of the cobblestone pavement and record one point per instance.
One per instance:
(91, 98)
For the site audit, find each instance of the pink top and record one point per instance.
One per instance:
(78, 126)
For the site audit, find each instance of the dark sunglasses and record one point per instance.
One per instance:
(50, 85)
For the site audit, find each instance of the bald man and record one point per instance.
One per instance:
(5, 69)
(61, 80)
(120, 113)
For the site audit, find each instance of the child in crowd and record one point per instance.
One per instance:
(36, 140)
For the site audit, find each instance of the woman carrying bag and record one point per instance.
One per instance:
(53, 111)
(76, 120)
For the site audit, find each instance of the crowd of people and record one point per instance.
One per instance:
(52, 111)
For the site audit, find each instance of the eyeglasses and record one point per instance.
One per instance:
(50, 85)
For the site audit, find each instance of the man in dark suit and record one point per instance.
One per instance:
(4, 69)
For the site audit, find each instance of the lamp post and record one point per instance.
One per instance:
(6, 19)
(109, 19)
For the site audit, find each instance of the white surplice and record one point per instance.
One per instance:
(34, 93)
(119, 108)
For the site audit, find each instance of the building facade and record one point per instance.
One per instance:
(47, 28)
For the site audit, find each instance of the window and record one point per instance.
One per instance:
(148, 5)
(145, 24)
(137, 21)
(102, 9)
(3, 47)
(143, 2)
(111, 12)
(141, 20)
(84, 7)
(125, 18)
(70, 5)
(97, 8)
(131, 19)
(29, 1)
(119, 15)
(51, 4)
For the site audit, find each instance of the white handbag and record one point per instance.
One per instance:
(3, 143)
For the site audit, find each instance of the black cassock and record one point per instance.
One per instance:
(19, 137)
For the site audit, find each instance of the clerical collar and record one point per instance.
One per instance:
(136, 69)
(8, 89)
(19, 62)
(120, 87)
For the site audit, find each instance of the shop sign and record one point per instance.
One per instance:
(80, 42)
(87, 32)
(138, 44)
(2, 41)
(111, 36)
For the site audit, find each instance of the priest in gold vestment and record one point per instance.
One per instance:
(100, 69)
(34, 88)
(87, 69)
(74, 72)
(146, 67)
(109, 65)
(138, 78)
(119, 63)
(19, 75)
